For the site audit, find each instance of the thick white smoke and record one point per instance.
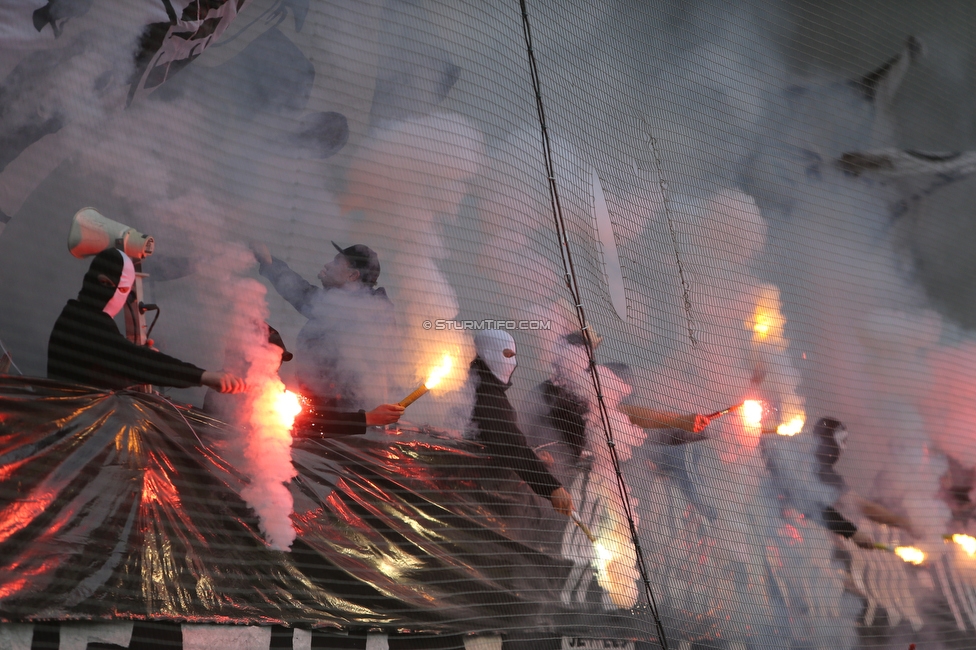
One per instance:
(267, 449)
(61, 93)
(594, 487)
(263, 417)
(407, 183)
(700, 103)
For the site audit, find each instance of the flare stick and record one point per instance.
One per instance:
(414, 396)
(583, 527)
(718, 414)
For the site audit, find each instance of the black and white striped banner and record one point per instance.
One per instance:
(176, 636)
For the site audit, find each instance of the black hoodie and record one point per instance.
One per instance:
(498, 430)
(86, 347)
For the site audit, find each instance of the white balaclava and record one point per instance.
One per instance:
(491, 346)
(128, 278)
(840, 437)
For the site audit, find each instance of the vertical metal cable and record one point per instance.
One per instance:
(573, 285)
(666, 206)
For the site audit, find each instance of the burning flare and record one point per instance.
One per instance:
(287, 406)
(792, 427)
(771, 359)
(603, 557)
(910, 554)
(762, 326)
(434, 377)
(268, 455)
(616, 571)
(752, 413)
(967, 543)
(767, 319)
(275, 410)
(437, 374)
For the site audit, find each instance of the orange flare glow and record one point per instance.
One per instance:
(762, 326)
(767, 319)
(433, 379)
(752, 412)
(603, 556)
(288, 407)
(967, 543)
(282, 407)
(438, 373)
(792, 427)
(910, 554)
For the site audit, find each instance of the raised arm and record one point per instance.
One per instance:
(290, 285)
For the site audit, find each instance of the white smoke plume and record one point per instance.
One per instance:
(58, 92)
(261, 448)
(613, 555)
(749, 108)
(268, 446)
(407, 183)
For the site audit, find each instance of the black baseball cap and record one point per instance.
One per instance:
(364, 259)
(274, 338)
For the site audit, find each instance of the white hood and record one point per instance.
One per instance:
(491, 346)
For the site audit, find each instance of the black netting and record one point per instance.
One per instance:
(727, 243)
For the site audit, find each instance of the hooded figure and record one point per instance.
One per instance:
(877, 575)
(831, 436)
(569, 419)
(86, 347)
(496, 422)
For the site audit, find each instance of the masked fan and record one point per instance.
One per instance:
(495, 419)
(86, 347)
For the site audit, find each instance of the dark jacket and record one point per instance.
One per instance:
(567, 415)
(320, 422)
(498, 430)
(316, 421)
(86, 347)
(828, 453)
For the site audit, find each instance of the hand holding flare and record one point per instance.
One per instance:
(649, 418)
(435, 377)
(752, 416)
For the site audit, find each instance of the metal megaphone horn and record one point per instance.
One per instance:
(93, 232)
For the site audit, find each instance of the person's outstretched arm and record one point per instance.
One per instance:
(648, 418)
(289, 285)
(223, 382)
(144, 365)
(330, 423)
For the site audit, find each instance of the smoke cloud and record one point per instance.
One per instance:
(408, 183)
(714, 132)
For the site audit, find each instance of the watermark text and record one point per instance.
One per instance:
(487, 324)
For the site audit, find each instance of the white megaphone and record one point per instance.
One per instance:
(92, 232)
